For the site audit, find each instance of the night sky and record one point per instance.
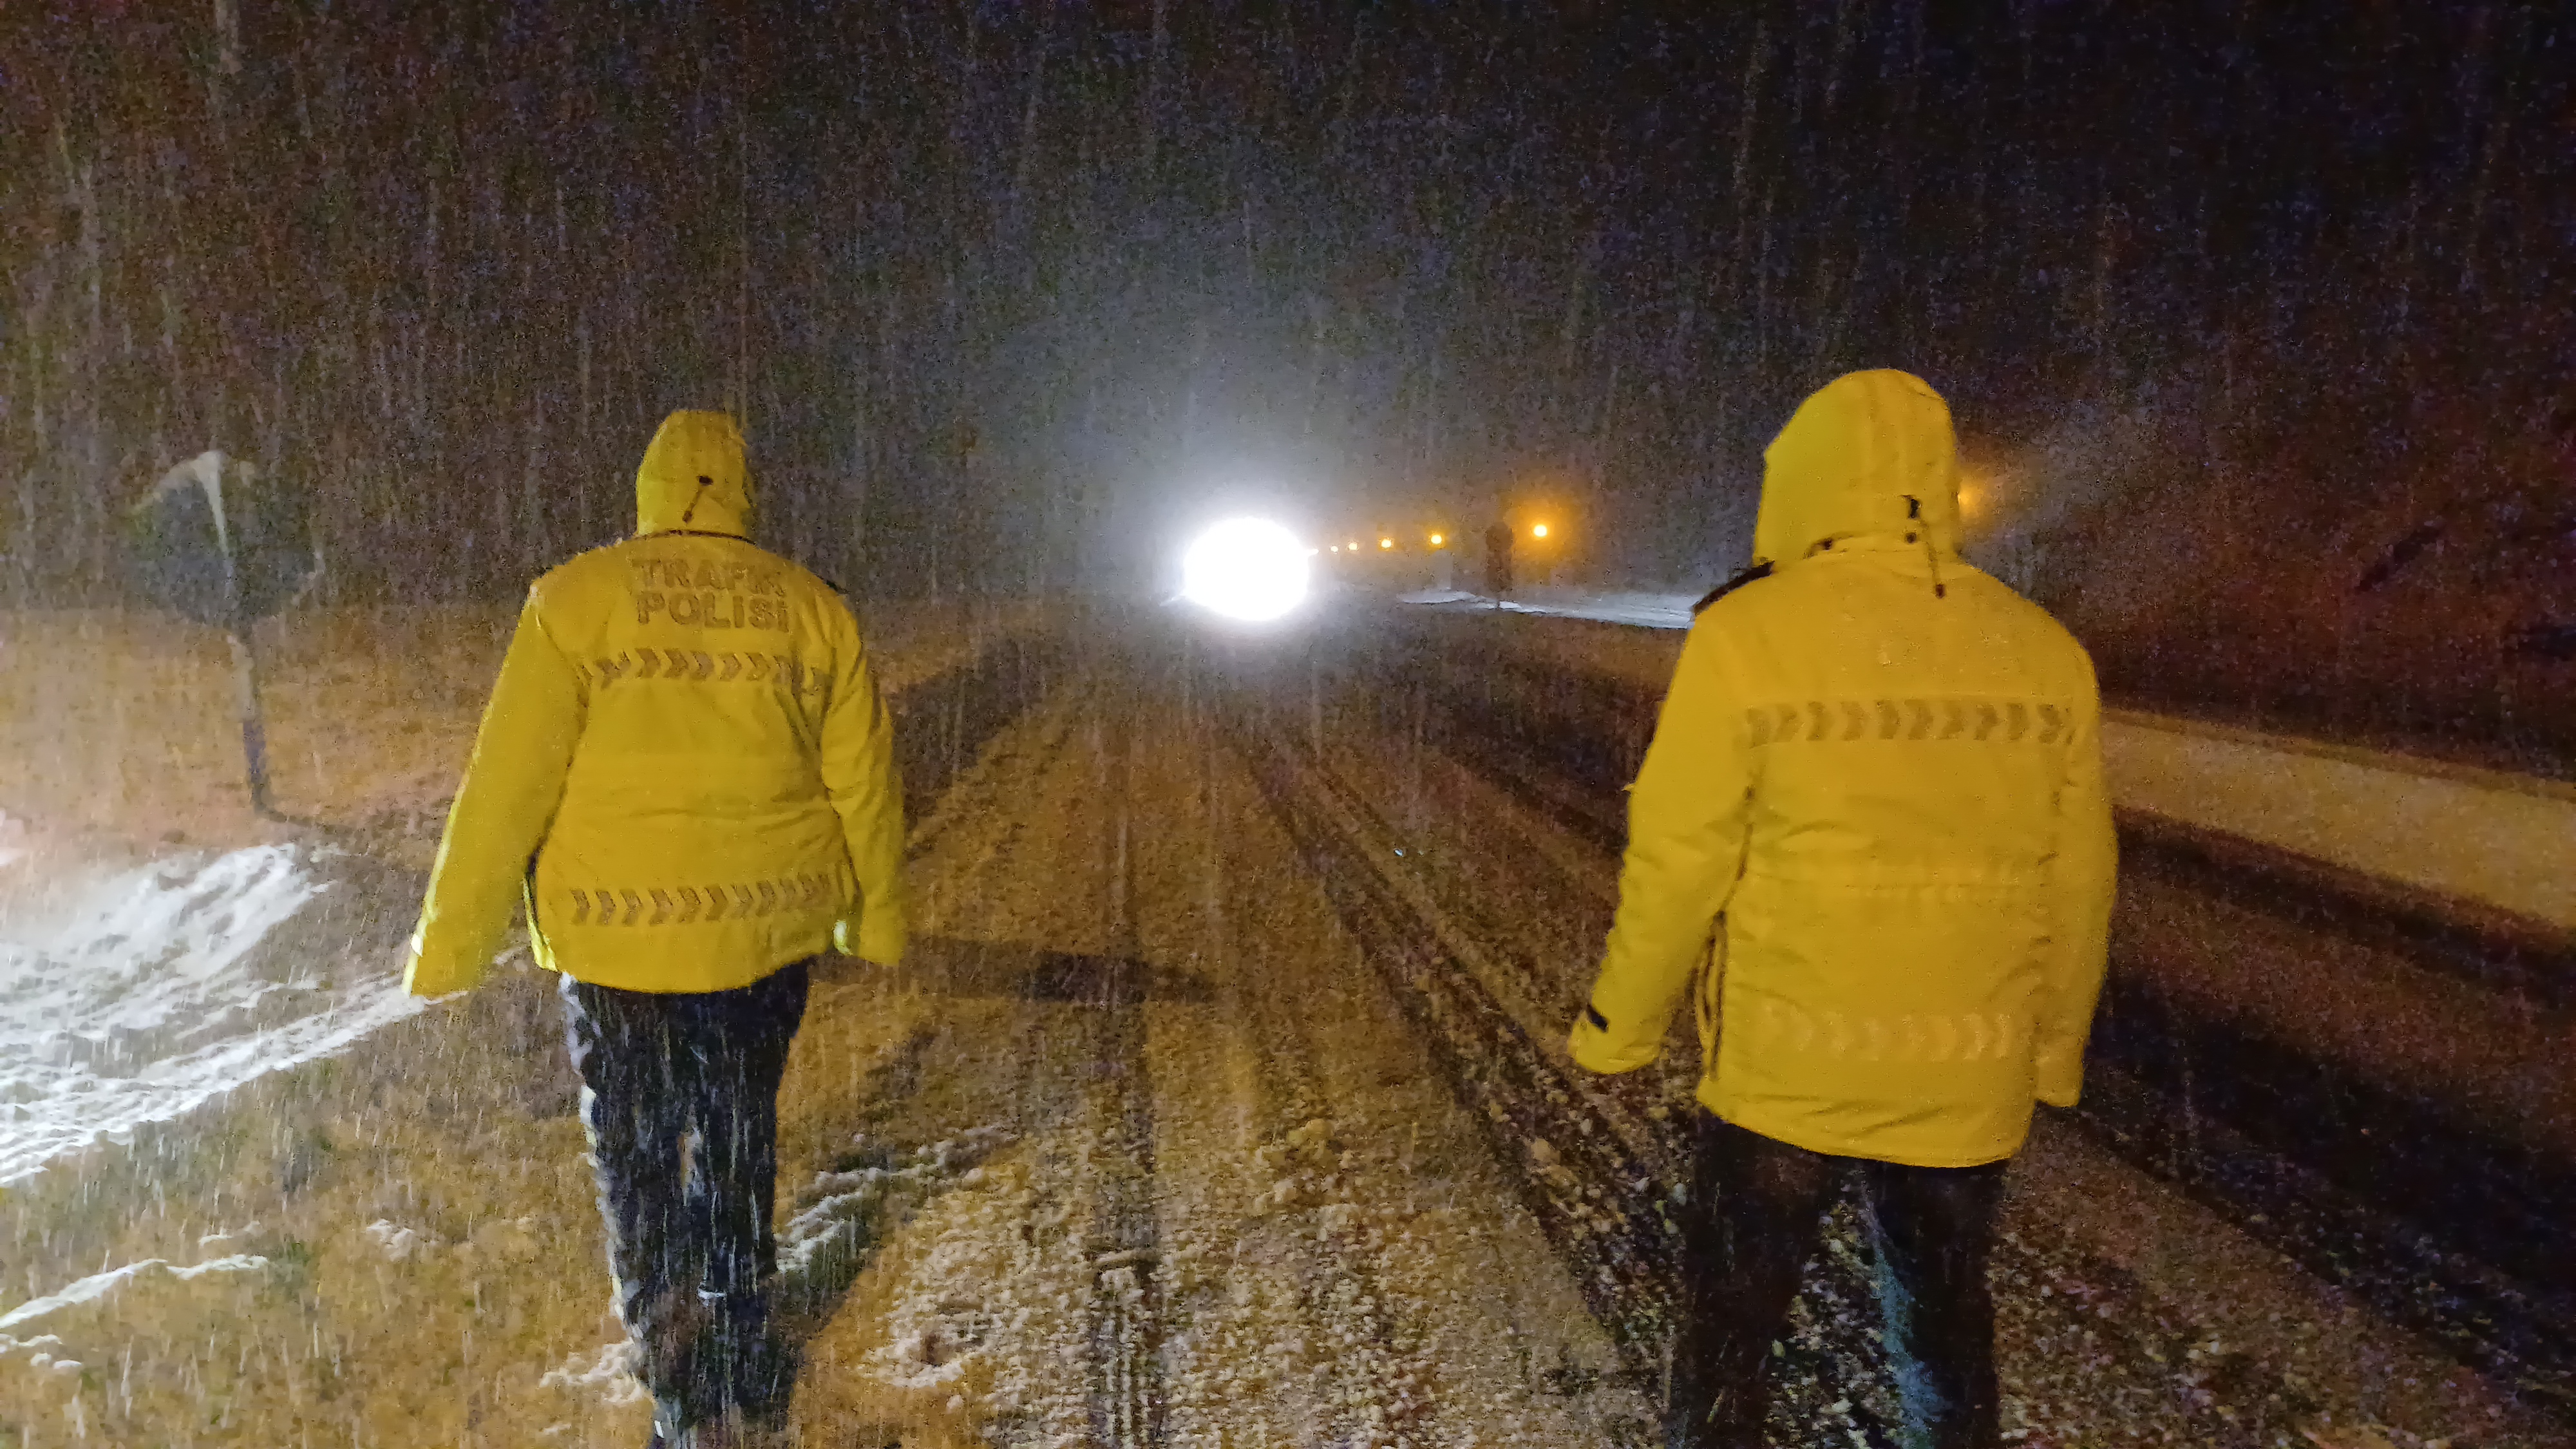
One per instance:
(1009, 294)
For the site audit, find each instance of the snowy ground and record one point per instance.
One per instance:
(1223, 1103)
(135, 996)
(160, 943)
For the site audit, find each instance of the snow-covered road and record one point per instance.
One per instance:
(1223, 1103)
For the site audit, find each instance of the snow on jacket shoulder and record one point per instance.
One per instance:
(1871, 827)
(685, 771)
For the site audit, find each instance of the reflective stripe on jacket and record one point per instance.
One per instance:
(1871, 826)
(685, 770)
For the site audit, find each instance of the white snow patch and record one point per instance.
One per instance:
(98, 1285)
(399, 1244)
(226, 1240)
(853, 1206)
(140, 997)
(608, 1373)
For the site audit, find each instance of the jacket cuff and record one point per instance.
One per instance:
(876, 936)
(1594, 1051)
(2058, 1080)
(440, 975)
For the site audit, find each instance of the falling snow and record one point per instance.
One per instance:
(1222, 1100)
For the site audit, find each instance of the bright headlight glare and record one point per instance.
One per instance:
(1245, 568)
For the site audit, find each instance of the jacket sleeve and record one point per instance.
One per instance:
(1687, 817)
(512, 786)
(2082, 879)
(859, 772)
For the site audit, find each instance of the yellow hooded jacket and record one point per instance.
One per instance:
(685, 770)
(1871, 826)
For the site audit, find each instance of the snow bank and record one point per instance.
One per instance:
(2473, 835)
(140, 994)
(2484, 837)
(1641, 610)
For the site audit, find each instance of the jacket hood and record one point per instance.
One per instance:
(693, 477)
(1870, 454)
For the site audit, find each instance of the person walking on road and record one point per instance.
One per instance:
(1871, 830)
(688, 776)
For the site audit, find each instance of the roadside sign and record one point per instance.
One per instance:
(221, 542)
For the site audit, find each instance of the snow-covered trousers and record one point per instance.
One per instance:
(1753, 1219)
(680, 1098)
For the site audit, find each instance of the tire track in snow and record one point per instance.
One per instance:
(1554, 1141)
(1340, 1292)
(1564, 746)
(1561, 1141)
(1003, 872)
(1831, 1356)
(1377, 1299)
(1085, 1057)
(1124, 1335)
(1833, 1366)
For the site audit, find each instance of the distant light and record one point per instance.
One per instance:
(1337, 548)
(1245, 568)
(1353, 545)
(1386, 543)
(1539, 532)
(1438, 539)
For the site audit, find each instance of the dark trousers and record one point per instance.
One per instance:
(680, 1098)
(1754, 1215)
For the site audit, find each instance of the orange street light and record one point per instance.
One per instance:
(1386, 543)
(1539, 532)
(1353, 545)
(1438, 539)
(1972, 495)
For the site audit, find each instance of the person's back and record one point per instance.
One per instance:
(1872, 828)
(699, 790)
(1910, 757)
(688, 775)
(688, 725)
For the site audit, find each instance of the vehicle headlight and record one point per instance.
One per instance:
(1245, 568)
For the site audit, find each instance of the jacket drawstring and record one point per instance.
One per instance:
(1931, 555)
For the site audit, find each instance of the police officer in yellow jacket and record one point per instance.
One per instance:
(1871, 838)
(687, 776)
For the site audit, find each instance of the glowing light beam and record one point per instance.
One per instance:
(1245, 568)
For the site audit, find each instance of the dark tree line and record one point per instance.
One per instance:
(997, 287)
